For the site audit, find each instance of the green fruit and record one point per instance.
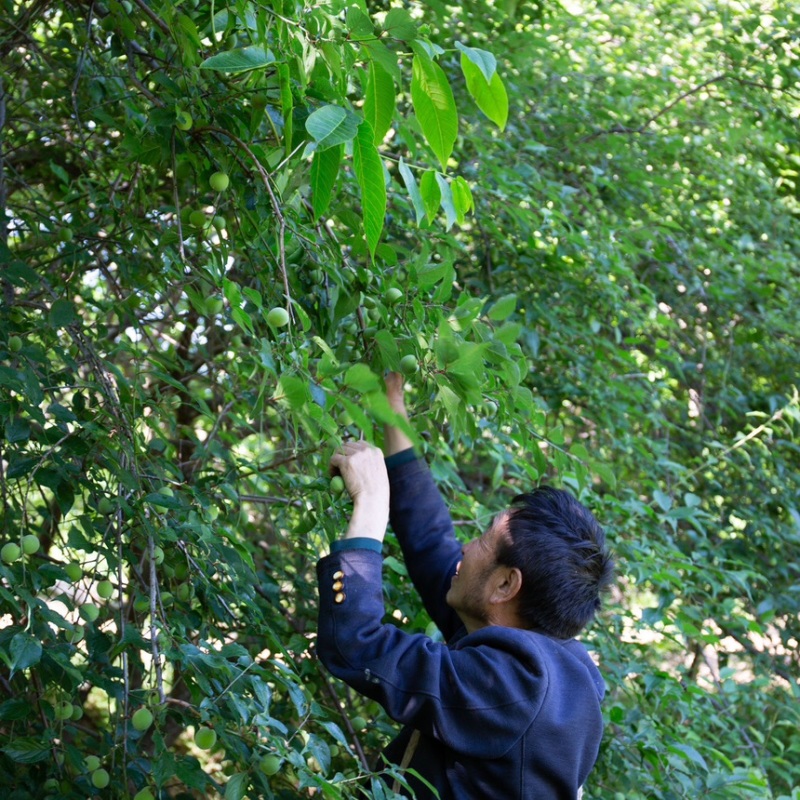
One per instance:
(198, 218)
(63, 710)
(219, 181)
(214, 305)
(142, 719)
(10, 552)
(100, 778)
(144, 794)
(30, 544)
(14, 344)
(219, 222)
(105, 589)
(75, 635)
(66, 235)
(269, 764)
(393, 295)
(408, 365)
(77, 712)
(91, 763)
(158, 555)
(184, 592)
(337, 484)
(141, 604)
(205, 738)
(50, 785)
(359, 723)
(491, 408)
(374, 314)
(74, 571)
(90, 612)
(106, 506)
(278, 317)
(369, 302)
(183, 120)
(167, 598)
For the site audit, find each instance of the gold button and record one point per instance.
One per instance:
(338, 575)
(339, 597)
(338, 586)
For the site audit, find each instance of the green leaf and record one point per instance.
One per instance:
(359, 25)
(63, 313)
(294, 390)
(663, 500)
(489, 95)
(26, 651)
(28, 750)
(413, 190)
(236, 788)
(332, 125)
(447, 200)
(379, 100)
(369, 172)
(399, 25)
(503, 308)
(462, 198)
(434, 105)
(482, 59)
(241, 60)
(431, 194)
(324, 171)
(381, 54)
(361, 378)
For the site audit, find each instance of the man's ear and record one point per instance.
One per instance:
(507, 585)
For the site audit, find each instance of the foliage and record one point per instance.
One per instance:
(580, 220)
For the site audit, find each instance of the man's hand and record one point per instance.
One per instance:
(364, 474)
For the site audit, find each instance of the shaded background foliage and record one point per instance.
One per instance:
(616, 315)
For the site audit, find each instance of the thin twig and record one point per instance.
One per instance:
(265, 177)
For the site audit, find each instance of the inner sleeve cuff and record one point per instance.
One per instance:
(357, 543)
(403, 457)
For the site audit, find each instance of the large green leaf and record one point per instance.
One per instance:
(379, 100)
(332, 125)
(369, 172)
(434, 105)
(490, 95)
(26, 651)
(431, 192)
(242, 60)
(413, 190)
(324, 169)
(483, 59)
(399, 25)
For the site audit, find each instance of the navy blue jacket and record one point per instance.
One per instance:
(503, 712)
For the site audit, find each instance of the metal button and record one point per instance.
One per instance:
(339, 598)
(338, 586)
(338, 575)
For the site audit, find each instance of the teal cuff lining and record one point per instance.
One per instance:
(357, 543)
(403, 457)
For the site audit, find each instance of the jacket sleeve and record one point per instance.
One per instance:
(421, 521)
(447, 693)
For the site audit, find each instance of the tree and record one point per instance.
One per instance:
(581, 225)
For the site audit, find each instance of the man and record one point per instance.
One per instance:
(510, 706)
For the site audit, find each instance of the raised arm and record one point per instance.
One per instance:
(420, 519)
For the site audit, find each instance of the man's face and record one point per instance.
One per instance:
(470, 587)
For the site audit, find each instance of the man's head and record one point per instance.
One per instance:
(559, 549)
(541, 565)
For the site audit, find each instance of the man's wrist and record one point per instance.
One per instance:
(369, 520)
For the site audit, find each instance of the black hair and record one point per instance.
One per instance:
(559, 548)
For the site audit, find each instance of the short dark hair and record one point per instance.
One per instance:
(559, 548)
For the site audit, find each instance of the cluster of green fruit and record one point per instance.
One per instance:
(11, 551)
